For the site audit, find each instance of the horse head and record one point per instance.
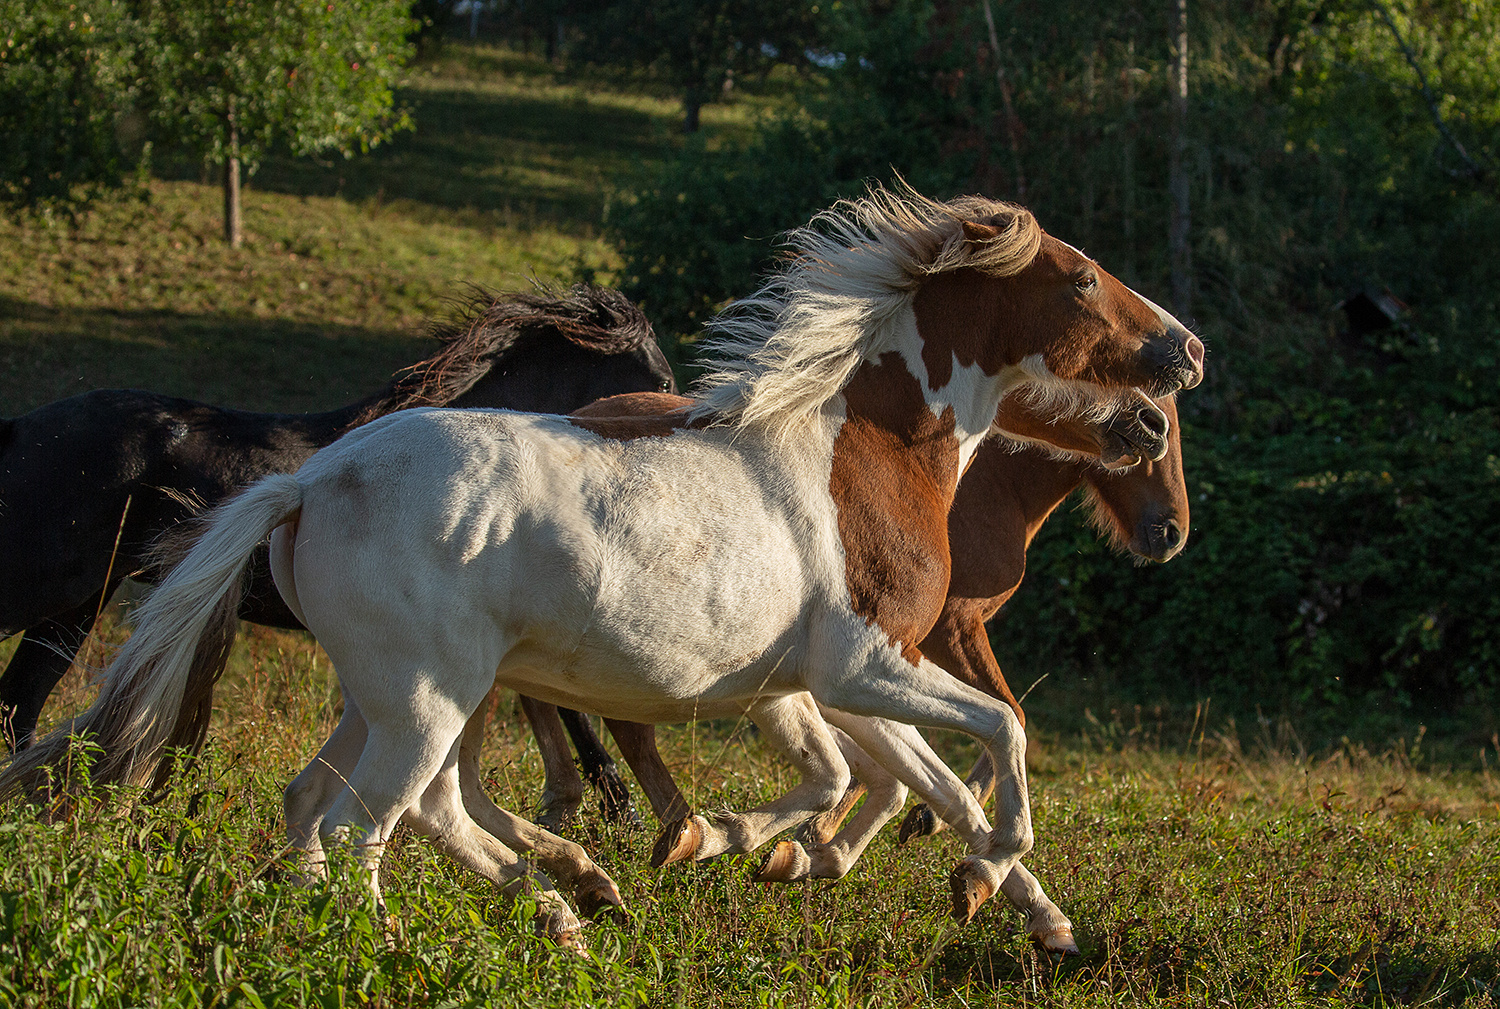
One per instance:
(1145, 509)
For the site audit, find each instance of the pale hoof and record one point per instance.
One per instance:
(677, 841)
(918, 823)
(971, 883)
(1056, 941)
(560, 925)
(787, 863)
(596, 893)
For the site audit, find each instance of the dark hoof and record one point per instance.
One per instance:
(596, 893)
(918, 823)
(786, 863)
(677, 841)
(970, 884)
(1057, 942)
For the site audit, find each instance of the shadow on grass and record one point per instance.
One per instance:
(539, 156)
(1140, 958)
(252, 363)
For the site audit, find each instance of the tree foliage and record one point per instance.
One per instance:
(221, 79)
(68, 83)
(698, 46)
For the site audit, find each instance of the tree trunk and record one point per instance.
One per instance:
(233, 232)
(1012, 124)
(1180, 221)
(1127, 168)
(692, 106)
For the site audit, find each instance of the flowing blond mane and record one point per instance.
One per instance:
(789, 348)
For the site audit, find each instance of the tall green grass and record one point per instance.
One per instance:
(1198, 872)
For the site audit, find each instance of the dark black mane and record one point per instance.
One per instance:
(488, 326)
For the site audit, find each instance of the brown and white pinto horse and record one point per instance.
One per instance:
(1003, 500)
(794, 550)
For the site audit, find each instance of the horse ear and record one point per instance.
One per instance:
(978, 232)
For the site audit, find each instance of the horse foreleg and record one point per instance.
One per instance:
(637, 743)
(561, 859)
(791, 721)
(562, 790)
(43, 657)
(959, 645)
(832, 856)
(600, 768)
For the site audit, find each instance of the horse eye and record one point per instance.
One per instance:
(666, 385)
(1087, 282)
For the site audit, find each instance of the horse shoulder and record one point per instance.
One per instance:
(893, 471)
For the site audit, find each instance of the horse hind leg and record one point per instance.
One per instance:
(600, 769)
(792, 721)
(562, 791)
(833, 855)
(307, 799)
(441, 815)
(45, 654)
(560, 858)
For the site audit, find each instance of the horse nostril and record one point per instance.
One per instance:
(1195, 352)
(1153, 420)
(1172, 535)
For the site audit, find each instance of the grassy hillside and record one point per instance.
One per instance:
(507, 176)
(1198, 873)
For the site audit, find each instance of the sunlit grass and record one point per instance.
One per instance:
(1211, 871)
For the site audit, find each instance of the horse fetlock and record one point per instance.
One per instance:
(596, 893)
(556, 921)
(681, 839)
(614, 799)
(829, 861)
(787, 862)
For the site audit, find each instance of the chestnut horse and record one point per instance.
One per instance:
(792, 549)
(88, 484)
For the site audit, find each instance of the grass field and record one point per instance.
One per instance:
(1202, 865)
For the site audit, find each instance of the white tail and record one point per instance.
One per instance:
(180, 636)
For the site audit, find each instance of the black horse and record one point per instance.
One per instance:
(89, 484)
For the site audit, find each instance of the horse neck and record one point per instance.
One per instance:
(916, 435)
(1002, 501)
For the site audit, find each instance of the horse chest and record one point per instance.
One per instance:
(893, 471)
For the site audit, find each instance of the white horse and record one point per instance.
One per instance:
(788, 551)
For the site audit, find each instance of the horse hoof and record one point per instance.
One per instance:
(678, 840)
(971, 883)
(596, 894)
(918, 823)
(787, 863)
(555, 818)
(560, 925)
(1057, 941)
